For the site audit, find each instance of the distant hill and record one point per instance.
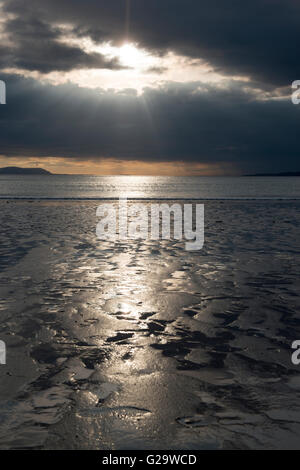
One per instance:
(288, 173)
(15, 170)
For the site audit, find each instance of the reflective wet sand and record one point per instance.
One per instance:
(143, 345)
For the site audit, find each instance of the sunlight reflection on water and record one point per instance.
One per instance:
(143, 187)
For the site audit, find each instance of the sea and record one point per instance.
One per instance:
(147, 187)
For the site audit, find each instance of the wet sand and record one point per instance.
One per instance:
(143, 345)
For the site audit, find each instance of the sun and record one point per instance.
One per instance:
(128, 54)
(131, 56)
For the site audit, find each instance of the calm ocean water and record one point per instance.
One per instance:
(148, 187)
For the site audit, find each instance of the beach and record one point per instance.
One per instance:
(140, 344)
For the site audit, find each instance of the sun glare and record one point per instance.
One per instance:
(139, 68)
(132, 57)
(128, 54)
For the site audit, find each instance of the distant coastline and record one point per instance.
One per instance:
(287, 173)
(15, 170)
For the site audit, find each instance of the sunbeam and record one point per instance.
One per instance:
(127, 19)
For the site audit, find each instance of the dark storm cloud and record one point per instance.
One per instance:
(258, 38)
(36, 46)
(187, 122)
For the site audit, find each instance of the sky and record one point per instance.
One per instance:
(150, 87)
